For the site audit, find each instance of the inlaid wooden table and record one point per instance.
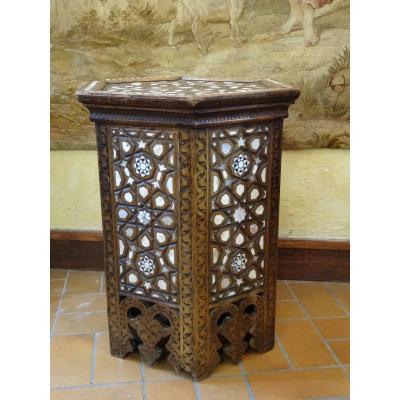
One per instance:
(189, 176)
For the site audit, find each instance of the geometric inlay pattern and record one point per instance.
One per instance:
(146, 265)
(144, 169)
(143, 166)
(240, 164)
(239, 263)
(238, 187)
(183, 87)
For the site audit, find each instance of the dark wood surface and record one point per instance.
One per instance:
(266, 93)
(318, 260)
(314, 244)
(162, 284)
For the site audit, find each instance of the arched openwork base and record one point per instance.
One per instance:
(154, 331)
(237, 326)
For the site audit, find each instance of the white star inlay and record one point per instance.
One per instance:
(147, 285)
(142, 144)
(241, 142)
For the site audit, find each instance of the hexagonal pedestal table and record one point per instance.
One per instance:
(189, 175)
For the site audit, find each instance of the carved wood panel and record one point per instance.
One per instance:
(145, 179)
(238, 187)
(153, 329)
(235, 326)
(110, 266)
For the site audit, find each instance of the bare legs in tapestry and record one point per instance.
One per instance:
(301, 14)
(197, 13)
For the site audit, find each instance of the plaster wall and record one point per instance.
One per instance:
(314, 193)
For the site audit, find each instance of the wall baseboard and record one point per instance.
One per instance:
(314, 260)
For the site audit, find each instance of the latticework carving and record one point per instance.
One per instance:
(145, 179)
(238, 187)
(153, 329)
(236, 325)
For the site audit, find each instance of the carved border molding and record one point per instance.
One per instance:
(109, 232)
(169, 119)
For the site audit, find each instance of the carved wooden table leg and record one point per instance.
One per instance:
(189, 176)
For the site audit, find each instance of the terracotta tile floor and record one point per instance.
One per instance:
(310, 359)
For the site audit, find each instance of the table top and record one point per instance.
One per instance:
(185, 87)
(184, 92)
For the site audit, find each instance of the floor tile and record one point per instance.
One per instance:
(226, 367)
(335, 328)
(54, 300)
(180, 390)
(316, 299)
(131, 391)
(71, 355)
(58, 273)
(282, 291)
(342, 350)
(288, 309)
(303, 345)
(71, 360)
(83, 303)
(110, 369)
(342, 292)
(290, 385)
(223, 388)
(271, 360)
(81, 323)
(56, 286)
(80, 282)
(161, 370)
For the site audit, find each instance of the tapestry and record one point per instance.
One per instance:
(304, 43)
